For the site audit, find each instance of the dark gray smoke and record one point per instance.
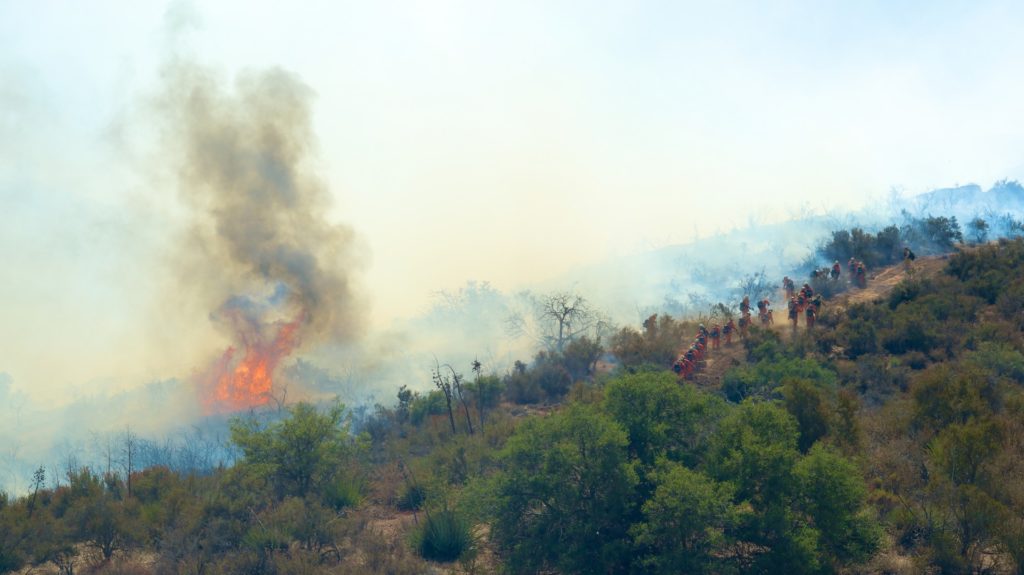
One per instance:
(261, 244)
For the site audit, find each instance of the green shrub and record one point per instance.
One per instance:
(521, 387)
(906, 291)
(343, 492)
(411, 498)
(762, 379)
(443, 536)
(424, 406)
(859, 337)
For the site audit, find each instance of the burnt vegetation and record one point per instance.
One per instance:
(885, 441)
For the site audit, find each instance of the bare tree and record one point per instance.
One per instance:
(71, 462)
(55, 476)
(130, 444)
(457, 386)
(442, 382)
(451, 386)
(555, 319)
(756, 285)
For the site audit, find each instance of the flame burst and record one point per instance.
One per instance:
(234, 385)
(270, 266)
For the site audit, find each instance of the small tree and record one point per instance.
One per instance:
(563, 506)
(756, 286)
(832, 494)
(556, 319)
(405, 397)
(38, 478)
(978, 229)
(685, 522)
(805, 402)
(300, 453)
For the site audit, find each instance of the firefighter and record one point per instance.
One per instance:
(745, 305)
(794, 310)
(691, 356)
(852, 267)
(908, 259)
(808, 291)
(816, 302)
(861, 275)
(701, 330)
(727, 331)
(688, 368)
(716, 334)
(744, 324)
(789, 286)
(811, 314)
(836, 269)
(765, 312)
(683, 367)
(651, 324)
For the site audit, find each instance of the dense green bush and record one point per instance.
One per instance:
(763, 379)
(443, 536)
(345, 490)
(424, 406)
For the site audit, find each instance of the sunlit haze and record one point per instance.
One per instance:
(497, 141)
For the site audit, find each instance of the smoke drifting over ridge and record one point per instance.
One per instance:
(275, 273)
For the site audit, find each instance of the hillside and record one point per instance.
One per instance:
(883, 441)
(882, 282)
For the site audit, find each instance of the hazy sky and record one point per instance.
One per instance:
(501, 141)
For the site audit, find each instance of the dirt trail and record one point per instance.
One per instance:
(882, 282)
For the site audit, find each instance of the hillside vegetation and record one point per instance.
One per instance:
(886, 440)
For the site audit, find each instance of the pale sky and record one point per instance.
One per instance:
(500, 141)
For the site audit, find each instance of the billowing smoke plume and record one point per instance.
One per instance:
(274, 271)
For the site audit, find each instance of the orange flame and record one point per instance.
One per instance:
(230, 385)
